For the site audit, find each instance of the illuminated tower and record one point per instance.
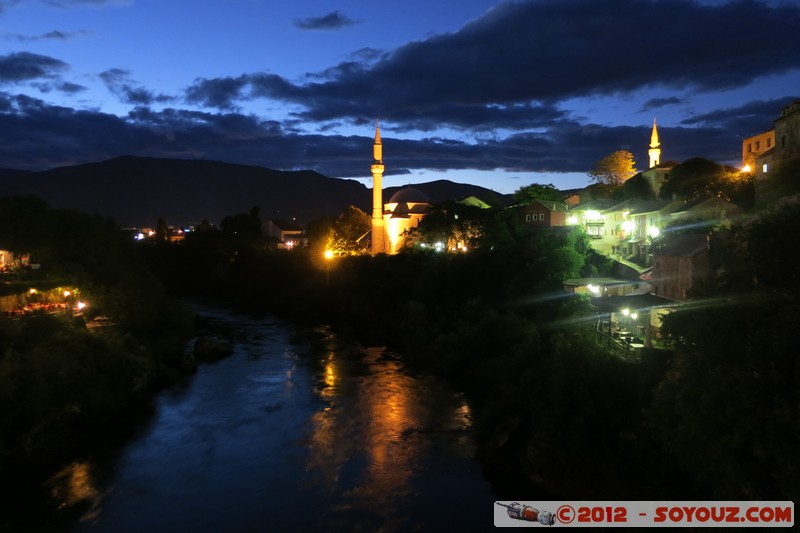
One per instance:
(378, 229)
(655, 150)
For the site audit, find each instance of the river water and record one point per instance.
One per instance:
(293, 432)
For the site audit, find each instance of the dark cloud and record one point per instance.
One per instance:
(25, 66)
(128, 91)
(505, 72)
(70, 88)
(220, 93)
(37, 135)
(656, 103)
(77, 3)
(57, 35)
(521, 53)
(745, 120)
(331, 21)
(65, 87)
(5, 4)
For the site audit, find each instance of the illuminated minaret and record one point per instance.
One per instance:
(655, 150)
(378, 229)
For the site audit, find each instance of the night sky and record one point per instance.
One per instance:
(500, 94)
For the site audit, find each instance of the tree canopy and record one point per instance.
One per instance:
(537, 191)
(614, 169)
(703, 178)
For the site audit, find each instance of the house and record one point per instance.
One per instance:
(604, 287)
(645, 225)
(10, 261)
(544, 214)
(753, 147)
(285, 234)
(774, 146)
(679, 265)
(590, 216)
(714, 212)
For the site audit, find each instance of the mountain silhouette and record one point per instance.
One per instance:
(136, 191)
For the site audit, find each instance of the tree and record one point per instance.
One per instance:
(614, 169)
(536, 191)
(162, 231)
(350, 227)
(691, 179)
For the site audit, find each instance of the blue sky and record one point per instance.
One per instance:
(500, 94)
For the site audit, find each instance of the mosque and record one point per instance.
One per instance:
(392, 222)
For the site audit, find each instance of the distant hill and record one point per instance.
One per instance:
(136, 191)
(139, 190)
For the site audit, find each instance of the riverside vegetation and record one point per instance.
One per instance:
(59, 381)
(716, 419)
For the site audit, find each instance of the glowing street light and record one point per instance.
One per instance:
(328, 257)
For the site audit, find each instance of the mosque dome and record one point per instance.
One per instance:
(409, 195)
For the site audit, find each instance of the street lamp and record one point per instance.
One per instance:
(328, 257)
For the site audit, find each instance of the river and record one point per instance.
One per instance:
(295, 431)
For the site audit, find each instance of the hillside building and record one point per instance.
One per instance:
(774, 146)
(753, 147)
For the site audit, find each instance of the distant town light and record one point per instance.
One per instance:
(746, 168)
(626, 311)
(328, 254)
(67, 293)
(593, 288)
(628, 225)
(634, 316)
(653, 231)
(81, 305)
(572, 220)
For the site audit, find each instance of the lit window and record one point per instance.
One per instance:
(527, 218)
(764, 168)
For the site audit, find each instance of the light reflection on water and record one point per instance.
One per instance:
(295, 434)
